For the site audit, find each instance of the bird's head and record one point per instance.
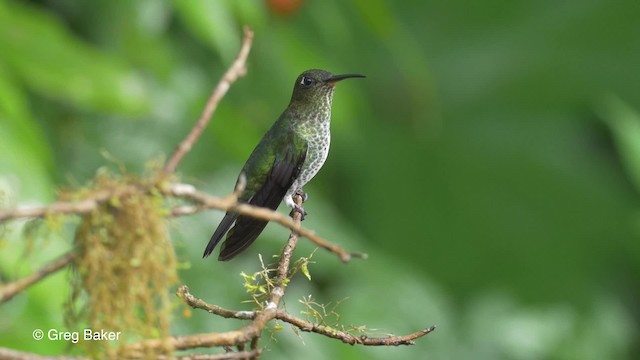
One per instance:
(315, 85)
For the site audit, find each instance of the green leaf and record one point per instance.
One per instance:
(25, 156)
(624, 123)
(211, 21)
(52, 61)
(305, 270)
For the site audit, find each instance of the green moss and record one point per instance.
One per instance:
(125, 266)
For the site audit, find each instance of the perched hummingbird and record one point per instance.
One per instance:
(287, 157)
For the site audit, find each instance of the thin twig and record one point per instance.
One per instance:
(349, 338)
(344, 336)
(184, 294)
(9, 290)
(237, 69)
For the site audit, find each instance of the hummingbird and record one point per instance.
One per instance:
(290, 154)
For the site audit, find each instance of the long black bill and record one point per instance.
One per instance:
(336, 78)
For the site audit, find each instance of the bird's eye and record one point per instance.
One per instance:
(306, 81)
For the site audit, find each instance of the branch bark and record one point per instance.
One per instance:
(80, 207)
(203, 202)
(9, 290)
(351, 339)
(229, 203)
(304, 325)
(9, 354)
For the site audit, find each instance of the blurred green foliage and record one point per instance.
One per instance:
(489, 163)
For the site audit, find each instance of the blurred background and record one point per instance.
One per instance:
(489, 164)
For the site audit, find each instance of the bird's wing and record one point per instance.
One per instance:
(285, 169)
(224, 226)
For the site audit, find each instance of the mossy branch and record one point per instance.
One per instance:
(304, 325)
(251, 333)
(201, 202)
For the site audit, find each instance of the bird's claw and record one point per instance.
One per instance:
(302, 194)
(298, 209)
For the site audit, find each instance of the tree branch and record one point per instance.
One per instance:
(237, 69)
(344, 336)
(349, 338)
(185, 191)
(229, 203)
(80, 207)
(22, 355)
(203, 201)
(9, 290)
(225, 356)
(196, 303)
(10, 354)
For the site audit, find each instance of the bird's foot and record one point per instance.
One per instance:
(298, 209)
(295, 208)
(302, 194)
